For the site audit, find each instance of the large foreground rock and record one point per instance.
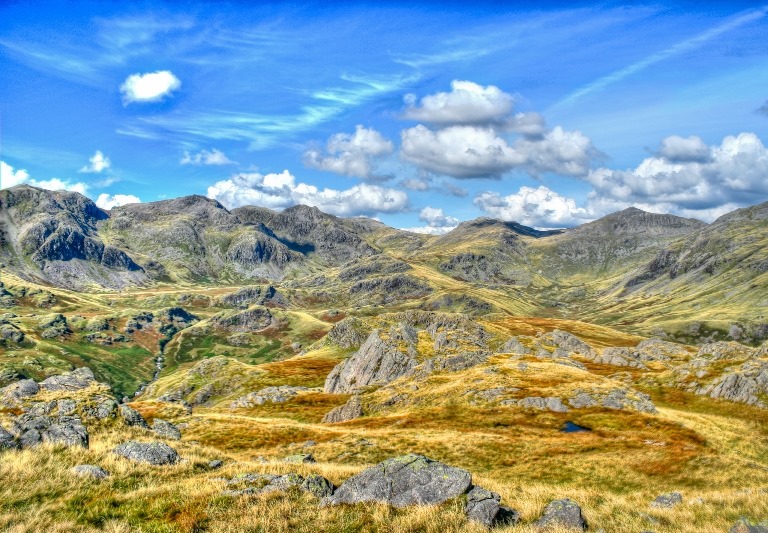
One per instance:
(154, 453)
(401, 481)
(132, 417)
(745, 526)
(33, 429)
(82, 378)
(563, 514)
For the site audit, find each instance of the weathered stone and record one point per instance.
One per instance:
(7, 440)
(32, 430)
(154, 453)
(482, 506)
(279, 394)
(132, 417)
(14, 392)
(401, 481)
(349, 411)
(89, 471)
(376, 363)
(564, 514)
(514, 346)
(667, 500)
(165, 429)
(215, 464)
(67, 407)
(78, 379)
(318, 486)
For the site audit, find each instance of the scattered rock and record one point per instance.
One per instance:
(154, 453)
(514, 346)
(349, 411)
(132, 417)
(279, 394)
(33, 429)
(165, 429)
(215, 464)
(7, 440)
(89, 471)
(483, 507)
(401, 481)
(318, 486)
(78, 379)
(667, 500)
(564, 514)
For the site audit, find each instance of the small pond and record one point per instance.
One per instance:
(570, 427)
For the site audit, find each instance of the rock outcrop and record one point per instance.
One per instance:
(153, 453)
(349, 411)
(562, 514)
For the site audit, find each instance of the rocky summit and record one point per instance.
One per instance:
(179, 366)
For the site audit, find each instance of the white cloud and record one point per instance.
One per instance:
(479, 152)
(97, 163)
(684, 150)
(736, 173)
(278, 191)
(206, 157)
(540, 207)
(10, 177)
(427, 230)
(350, 155)
(436, 218)
(149, 87)
(459, 151)
(109, 201)
(467, 103)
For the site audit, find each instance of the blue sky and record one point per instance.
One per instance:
(419, 114)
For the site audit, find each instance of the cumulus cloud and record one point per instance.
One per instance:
(437, 222)
(109, 201)
(459, 151)
(350, 154)
(206, 157)
(281, 190)
(467, 103)
(97, 163)
(475, 135)
(149, 87)
(479, 152)
(684, 150)
(10, 177)
(539, 207)
(736, 172)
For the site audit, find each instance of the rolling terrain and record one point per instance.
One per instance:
(610, 364)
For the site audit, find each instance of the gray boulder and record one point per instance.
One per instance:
(401, 481)
(154, 453)
(318, 486)
(668, 500)
(89, 471)
(166, 429)
(376, 363)
(7, 440)
(564, 514)
(78, 379)
(514, 346)
(567, 341)
(349, 411)
(14, 392)
(32, 429)
(132, 417)
(483, 507)
(215, 464)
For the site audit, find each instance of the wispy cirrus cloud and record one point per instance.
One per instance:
(265, 130)
(681, 47)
